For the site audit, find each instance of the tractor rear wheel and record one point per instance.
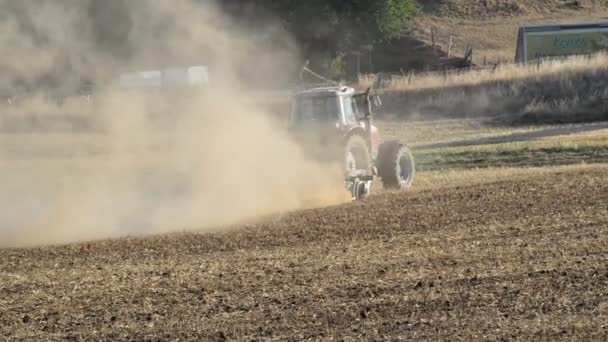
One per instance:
(396, 165)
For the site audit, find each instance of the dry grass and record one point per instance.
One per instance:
(420, 133)
(466, 9)
(503, 72)
(557, 92)
(477, 133)
(454, 178)
(597, 139)
(490, 27)
(448, 145)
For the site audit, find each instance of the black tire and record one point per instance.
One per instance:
(396, 165)
(357, 159)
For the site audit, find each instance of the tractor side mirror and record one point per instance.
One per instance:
(363, 105)
(365, 112)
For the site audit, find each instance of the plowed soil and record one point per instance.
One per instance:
(521, 258)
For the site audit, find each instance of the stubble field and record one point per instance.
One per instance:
(476, 250)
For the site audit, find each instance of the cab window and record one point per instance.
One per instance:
(351, 111)
(322, 108)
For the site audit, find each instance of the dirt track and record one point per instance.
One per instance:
(523, 259)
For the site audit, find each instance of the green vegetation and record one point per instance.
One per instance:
(341, 23)
(524, 157)
(327, 30)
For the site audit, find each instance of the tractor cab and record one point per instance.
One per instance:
(322, 106)
(339, 105)
(326, 116)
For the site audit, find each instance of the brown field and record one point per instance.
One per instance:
(521, 258)
(472, 252)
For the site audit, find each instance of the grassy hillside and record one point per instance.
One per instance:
(490, 26)
(573, 90)
(483, 9)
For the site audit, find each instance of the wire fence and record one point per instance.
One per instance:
(415, 80)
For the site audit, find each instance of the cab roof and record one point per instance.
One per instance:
(328, 91)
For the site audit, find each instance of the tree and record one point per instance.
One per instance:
(358, 21)
(390, 15)
(327, 29)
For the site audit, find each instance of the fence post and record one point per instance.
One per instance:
(450, 46)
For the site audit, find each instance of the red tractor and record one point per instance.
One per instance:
(335, 124)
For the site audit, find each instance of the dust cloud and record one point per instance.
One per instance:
(78, 164)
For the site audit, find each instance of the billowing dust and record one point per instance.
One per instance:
(143, 161)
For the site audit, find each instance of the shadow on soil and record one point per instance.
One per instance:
(526, 157)
(520, 137)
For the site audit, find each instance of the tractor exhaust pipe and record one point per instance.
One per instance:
(368, 120)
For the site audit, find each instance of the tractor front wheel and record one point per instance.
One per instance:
(357, 161)
(358, 165)
(396, 165)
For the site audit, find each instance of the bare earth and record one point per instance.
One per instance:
(523, 258)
